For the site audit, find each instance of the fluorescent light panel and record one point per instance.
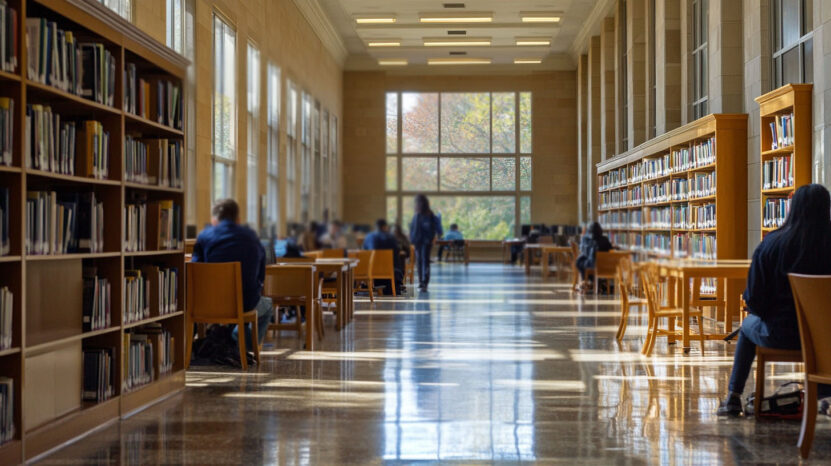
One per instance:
(466, 42)
(392, 62)
(375, 19)
(384, 43)
(459, 61)
(540, 17)
(527, 61)
(472, 18)
(533, 41)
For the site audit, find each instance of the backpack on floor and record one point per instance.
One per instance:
(786, 403)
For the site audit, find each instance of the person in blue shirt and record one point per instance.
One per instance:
(453, 235)
(424, 228)
(381, 238)
(228, 241)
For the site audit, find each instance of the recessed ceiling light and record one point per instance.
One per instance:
(392, 61)
(460, 42)
(375, 20)
(459, 61)
(540, 17)
(472, 18)
(384, 43)
(527, 61)
(533, 41)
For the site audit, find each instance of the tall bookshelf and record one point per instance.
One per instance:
(46, 358)
(786, 129)
(681, 194)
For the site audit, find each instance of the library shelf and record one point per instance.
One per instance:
(57, 339)
(72, 178)
(9, 259)
(9, 169)
(150, 320)
(150, 127)
(153, 187)
(161, 252)
(10, 452)
(9, 351)
(71, 256)
(56, 432)
(793, 101)
(5, 75)
(158, 390)
(46, 92)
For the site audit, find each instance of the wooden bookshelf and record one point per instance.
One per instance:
(640, 206)
(45, 360)
(791, 100)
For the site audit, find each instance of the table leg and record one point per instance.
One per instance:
(685, 313)
(341, 302)
(731, 308)
(310, 321)
(526, 256)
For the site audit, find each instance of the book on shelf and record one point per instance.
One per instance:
(136, 290)
(775, 211)
(5, 240)
(6, 314)
(6, 130)
(153, 161)
(59, 223)
(152, 225)
(6, 409)
(58, 58)
(49, 143)
(97, 298)
(162, 288)
(99, 370)
(8, 37)
(777, 172)
(149, 353)
(93, 150)
(156, 98)
(781, 131)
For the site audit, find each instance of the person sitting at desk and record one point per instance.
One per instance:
(453, 235)
(381, 238)
(334, 237)
(592, 241)
(802, 245)
(228, 241)
(308, 240)
(403, 240)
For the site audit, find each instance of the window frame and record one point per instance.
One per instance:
(274, 96)
(217, 159)
(779, 49)
(253, 93)
(700, 103)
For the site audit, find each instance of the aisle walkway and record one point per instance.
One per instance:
(490, 366)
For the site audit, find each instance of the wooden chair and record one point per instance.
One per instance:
(383, 268)
(409, 269)
(656, 311)
(628, 294)
(575, 272)
(605, 266)
(295, 286)
(764, 356)
(313, 254)
(363, 272)
(214, 296)
(811, 297)
(295, 260)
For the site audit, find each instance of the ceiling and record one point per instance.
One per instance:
(502, 32)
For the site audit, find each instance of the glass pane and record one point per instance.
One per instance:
(392, 122)
(478, 217)
(525, 173)
(465, 174)
(791, 24)
(420, 123)
(525, 146)
(808, 60)
(224, 99)
(525, 210)
(807, 16)
(504, 174)
(222, 181)
(407, 211)
(392, 173)
(419, 174)
(504, 123)
(465, 123)
(392, 209)
(790, 66)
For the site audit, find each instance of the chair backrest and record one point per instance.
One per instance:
(214, 291)
(189, 245)
(288, 281)
(364, 262)
(624, 279)
(650, 289)
(811, 296)
(332, 254)
(382, 264)
(292, 260)
(606, 263)
(314, 254)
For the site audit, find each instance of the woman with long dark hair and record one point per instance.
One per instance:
(593, 240)
(424, 227)
(801, 245)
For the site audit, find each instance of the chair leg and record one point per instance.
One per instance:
(298, 320)
(760, 385)
(392, 281)
(701, 337)
(255, 334)
(243, 359)
(809, 419)
(188, 341)
(319, 322)
(645, 349)
(654, 338)
(371, 286)
(621, 329)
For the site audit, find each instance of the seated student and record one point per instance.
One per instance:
(308, 240)
(228, 241)
(334, 238)
(453, 235)
(403, 240)
(801, 245)
(593, 240)
(381, 238)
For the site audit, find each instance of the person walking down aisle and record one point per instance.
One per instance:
(802, 245)
(453, 235)
(424, 228)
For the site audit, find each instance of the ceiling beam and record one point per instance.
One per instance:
(324, 29)
(591, 27)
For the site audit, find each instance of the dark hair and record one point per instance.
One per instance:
(380, 224)
(454, 226)
(422, 205)
(595, 230)
(808, 224)
(312, 226)
(226, 209)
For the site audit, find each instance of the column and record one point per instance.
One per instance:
(636, 67)
(607, 89)
(582, 129)
(594, 132)
(668, 95)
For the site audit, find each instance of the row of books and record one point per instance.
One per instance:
(99, 374)
(68, 147)
(612, 220)
(679, 189)
(149, 354)
(781, 131)
(613, 179)
(658, 217)
(6, 409)
(59, 223)
(6, 130)
(694, 245)
(699, 155)
(8, 37)
(634, 196)
(681, 216)
(704, 185)
(656, 193)
(636, 173)
(153, 161)
(152, 226)
(777, 172)
(656, 167)
(776, 211)
(136, 290)
(619, 239)
(657, 243)
(60, 59)
(703, 216)
(610, 199)
(155, 98)
(97, 312)
(147, 288)
(6, 317)
(5, 226)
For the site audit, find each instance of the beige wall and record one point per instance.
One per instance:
(554, 107)
(283, 37)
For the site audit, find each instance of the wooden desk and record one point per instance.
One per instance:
(339, 271)
(731, 276)
(562, 252)
(507, 244)
(527, 258)
(450, 243)
(348, 286)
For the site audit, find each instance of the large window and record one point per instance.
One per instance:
(325, 167)
(793, 43)
(306, 157)
(124, 8)
(700, 75)
(292, 109)
(174, 10)
(273, 168)
(467, 152)
(223, 109)
(252, 181)
(335, 171)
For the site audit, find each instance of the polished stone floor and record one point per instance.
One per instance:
(489, 366)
